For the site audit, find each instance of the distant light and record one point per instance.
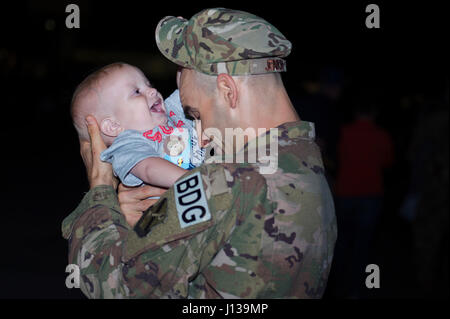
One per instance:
(50, 25)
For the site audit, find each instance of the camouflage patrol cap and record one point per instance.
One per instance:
(221, 40)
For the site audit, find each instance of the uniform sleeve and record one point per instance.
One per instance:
(175, 256)
(197, 217)
(115, 262)
(96, 231)
(128, 149)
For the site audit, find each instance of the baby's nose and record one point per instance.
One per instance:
(151, 92)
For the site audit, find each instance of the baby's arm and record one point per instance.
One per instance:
(157, 171)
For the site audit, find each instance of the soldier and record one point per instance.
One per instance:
(225, 229)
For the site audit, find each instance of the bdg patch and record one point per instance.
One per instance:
(190, 199)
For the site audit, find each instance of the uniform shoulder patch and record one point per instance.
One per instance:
(191, 201)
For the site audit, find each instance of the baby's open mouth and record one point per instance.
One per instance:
(157, 107)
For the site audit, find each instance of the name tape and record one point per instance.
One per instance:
(190, 199)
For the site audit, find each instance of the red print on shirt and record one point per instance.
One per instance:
(179, 125)
(156, 137)
(168, 130)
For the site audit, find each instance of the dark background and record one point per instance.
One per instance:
(400, 66)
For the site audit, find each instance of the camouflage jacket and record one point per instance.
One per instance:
(225, 231)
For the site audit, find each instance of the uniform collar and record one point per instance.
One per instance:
(284, 134)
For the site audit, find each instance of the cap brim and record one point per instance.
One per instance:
(170, 39)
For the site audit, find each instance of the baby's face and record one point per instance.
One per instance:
(135, 103)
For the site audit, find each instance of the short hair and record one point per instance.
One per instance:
(82, 104)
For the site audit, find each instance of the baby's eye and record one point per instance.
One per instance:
(137, 91)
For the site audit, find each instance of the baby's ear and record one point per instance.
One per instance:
(110, 127)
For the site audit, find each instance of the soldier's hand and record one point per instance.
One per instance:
(98, 172)
(134, 200)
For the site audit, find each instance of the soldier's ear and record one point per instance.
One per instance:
(227, 89)
(110, 127)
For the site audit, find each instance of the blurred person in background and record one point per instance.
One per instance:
(364, 151)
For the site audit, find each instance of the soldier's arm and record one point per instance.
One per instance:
(96, 231)
(96, 228)
(184, 230)
(116, 261)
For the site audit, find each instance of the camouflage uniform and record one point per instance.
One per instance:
(224, 230)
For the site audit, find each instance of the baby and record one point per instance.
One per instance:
(149, 140)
